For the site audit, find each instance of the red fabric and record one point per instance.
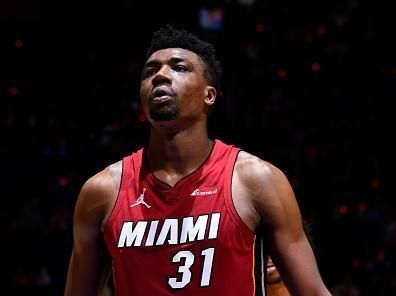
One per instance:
(205, 262)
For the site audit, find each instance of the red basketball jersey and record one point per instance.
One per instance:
(181, 240)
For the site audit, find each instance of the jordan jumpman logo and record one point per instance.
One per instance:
(140, 200)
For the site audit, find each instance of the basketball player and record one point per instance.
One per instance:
(178, 217)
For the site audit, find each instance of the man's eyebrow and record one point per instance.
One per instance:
(179, 59)
(174, 59)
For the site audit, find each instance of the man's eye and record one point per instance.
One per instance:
(180, 68)
(149, 72)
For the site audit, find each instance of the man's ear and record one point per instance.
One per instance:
(211, 94)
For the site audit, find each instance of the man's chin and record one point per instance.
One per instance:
(274, 280)
(164, 115)
(273, 276)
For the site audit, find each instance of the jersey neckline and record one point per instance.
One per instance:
(184, 179)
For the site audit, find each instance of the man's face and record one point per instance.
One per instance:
(173, 85)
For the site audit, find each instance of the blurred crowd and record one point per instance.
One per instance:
(307, 86)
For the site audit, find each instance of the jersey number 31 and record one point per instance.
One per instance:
(184, 277)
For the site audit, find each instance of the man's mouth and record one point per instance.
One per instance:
(161, 95)
(271, 268)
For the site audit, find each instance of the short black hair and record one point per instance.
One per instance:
(169, 37)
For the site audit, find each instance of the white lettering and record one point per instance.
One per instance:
(170, 227)
(130, 235)
(152, 232)
(197, 192)
(214, 225)
(190, 231)
(172, 231)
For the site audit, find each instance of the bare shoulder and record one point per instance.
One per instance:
(104, 181)
(257, 174)
(266, 188)
(98, 194)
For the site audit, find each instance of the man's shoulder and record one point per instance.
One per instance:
(104, 181)
(254, 165)
(256, 173)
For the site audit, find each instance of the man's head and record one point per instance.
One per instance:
(169, 37)
(180, 76)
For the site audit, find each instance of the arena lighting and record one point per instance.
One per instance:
(340, 21)
(321, 30)
(19, 43)
(375, 183)
(380, 255)
(362, 207)
(308, 38)
(315, 67)
(64, 182)
(343, 210)
(14, 91)
(282, 73)
(260, 27)
(211, 19)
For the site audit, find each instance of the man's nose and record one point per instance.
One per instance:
(162, 76)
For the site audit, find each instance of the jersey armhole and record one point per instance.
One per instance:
(117, 203)
(232, 159)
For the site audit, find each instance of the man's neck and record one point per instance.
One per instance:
(171, 156)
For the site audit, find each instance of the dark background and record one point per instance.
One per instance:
(308, 86)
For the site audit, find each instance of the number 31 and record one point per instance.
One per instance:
(184, 270)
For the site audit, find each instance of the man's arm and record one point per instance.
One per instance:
(89, 266)
(274, 203)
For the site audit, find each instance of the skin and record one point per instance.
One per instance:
(275, 285)
(173, 82)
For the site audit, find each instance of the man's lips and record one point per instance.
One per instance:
(271, 268)
(161, 95)
(161, 99)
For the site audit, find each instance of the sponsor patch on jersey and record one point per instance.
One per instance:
(204, 191)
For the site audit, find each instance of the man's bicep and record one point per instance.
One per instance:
(278, 206)
(281, 216)
(289, 246)
(88, 259)
(87, 218)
